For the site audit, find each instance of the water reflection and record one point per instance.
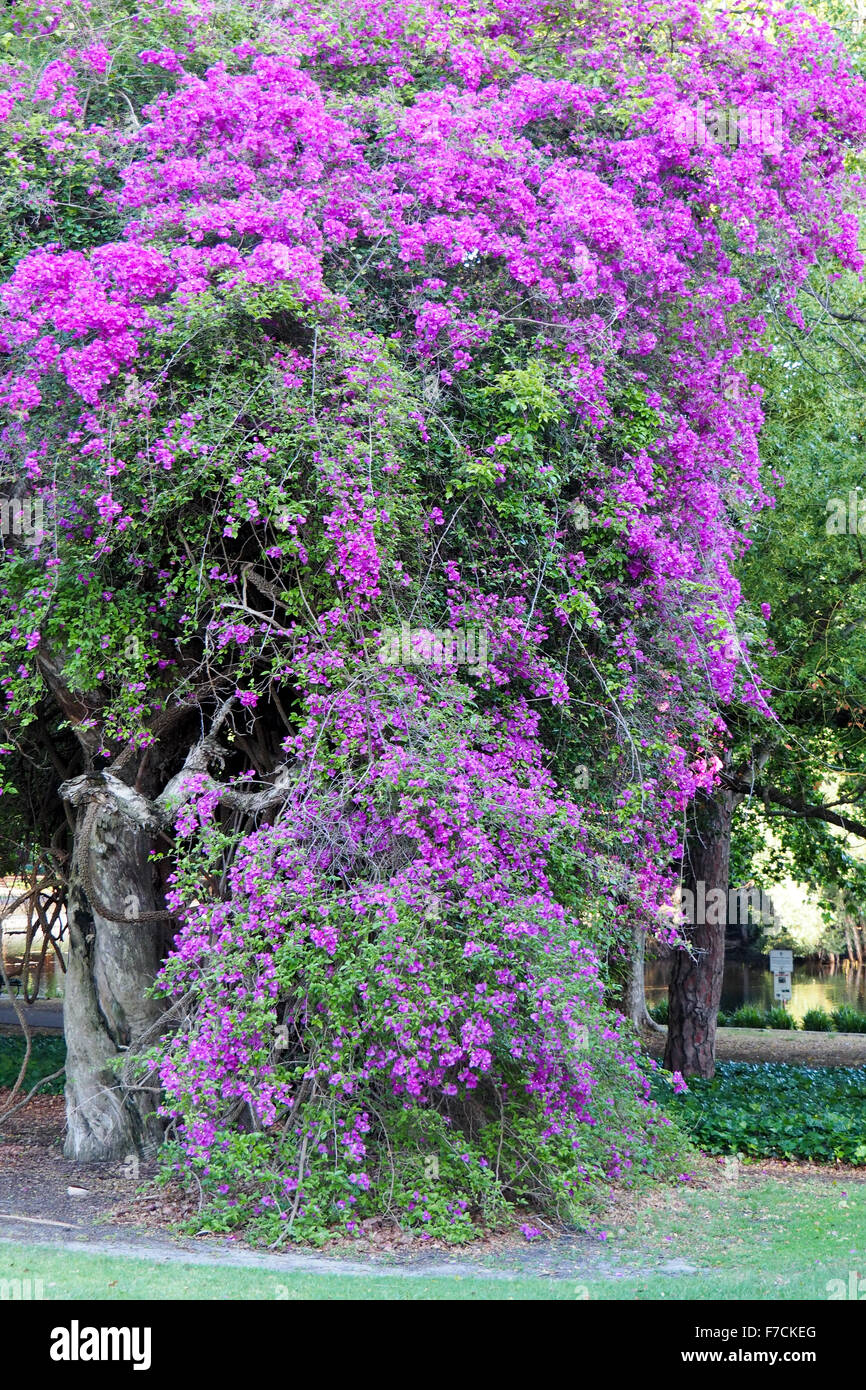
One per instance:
(814, 986)
(40, 962)
(51, 981)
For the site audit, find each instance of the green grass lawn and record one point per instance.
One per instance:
(69, 1275)
(762, 1238)
(758, 1238)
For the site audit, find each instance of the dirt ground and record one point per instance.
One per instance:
(799, 1049)
(110, 1215)
(35, 1178)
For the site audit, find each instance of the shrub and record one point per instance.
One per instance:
(779, 1018)
(47, 1055)
(431, 1044)
(660, 1011)
(817, 1021)
(747, 1016)
(849, 1020)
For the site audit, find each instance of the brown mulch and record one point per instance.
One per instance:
(795, 1170)
(40, 1121)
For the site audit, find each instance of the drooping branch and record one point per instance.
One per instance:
(796, 805)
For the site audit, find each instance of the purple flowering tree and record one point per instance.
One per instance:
(380, 627)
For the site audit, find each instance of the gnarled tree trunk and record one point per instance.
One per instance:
(696, 982)
(111, 965)
(119, 930)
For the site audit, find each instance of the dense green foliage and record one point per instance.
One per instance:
(780, 1111)
(806, 569)
(48, 1055)
(817, 1021)
(848, 1020)
(746, 1016)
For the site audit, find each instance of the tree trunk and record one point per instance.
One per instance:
(634, 998)
(111, 964)
(634, 992)
(696, 982)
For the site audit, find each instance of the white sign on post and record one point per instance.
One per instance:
(782, 962)
(781, 986)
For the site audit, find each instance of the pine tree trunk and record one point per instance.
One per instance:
(111, 964)
(696, 981)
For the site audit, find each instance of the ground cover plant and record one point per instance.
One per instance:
(47, 1056)
(776, 1110)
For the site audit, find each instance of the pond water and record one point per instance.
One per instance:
(51, 981)
(14, 942)
(813, 987)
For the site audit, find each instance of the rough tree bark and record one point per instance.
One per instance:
(696, 981)
(111, 964)
(116, 938)
(118, 935)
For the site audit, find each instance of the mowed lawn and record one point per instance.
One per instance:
(798, 1236)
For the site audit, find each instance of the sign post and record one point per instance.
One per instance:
(782, 967)
(782, 987)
